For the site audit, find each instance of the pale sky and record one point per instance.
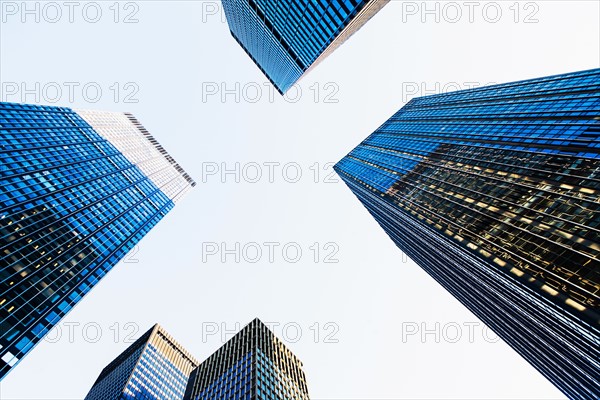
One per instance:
(355, 323)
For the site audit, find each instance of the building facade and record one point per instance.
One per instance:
(77, 191)
(253, 365)
(286, 38)
(495, 192)
(154, 367)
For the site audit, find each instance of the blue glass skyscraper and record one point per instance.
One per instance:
(77, 191)
(495, 192)
(286, 38)
(252, 365)
(154, 367)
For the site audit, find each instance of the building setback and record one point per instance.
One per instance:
(495, 192)
(287, 38)
(77, 191)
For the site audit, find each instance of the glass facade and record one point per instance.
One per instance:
(154, 367)
(286, 38)
(495, 192)
(253, 365)
(77, 191)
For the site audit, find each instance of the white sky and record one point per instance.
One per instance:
(371, 295)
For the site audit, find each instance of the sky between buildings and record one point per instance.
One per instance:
(270, 231)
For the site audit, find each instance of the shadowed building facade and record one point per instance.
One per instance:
(495, 192)
(77, 191)
(287, 38)
(154, 367)
(253, 365)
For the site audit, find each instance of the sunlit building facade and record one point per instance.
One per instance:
(154, 367)
(253, 365)
(495, 192)
(77, 191)
(286, 38)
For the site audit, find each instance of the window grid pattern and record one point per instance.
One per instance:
(71, 206)
(259, 43)
(503, 185)
(154, 367)
(130, 137)
(285, 38)
(112, 380)
(254, 364)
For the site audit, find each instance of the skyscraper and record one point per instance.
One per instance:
(254, 364)
(494, 192)
(154, 367)
(77, 191)
(287, 38)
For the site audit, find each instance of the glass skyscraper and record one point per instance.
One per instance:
(495, 192)
(253, 365)
(286, 38)
(77, 191)
(154, 367)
